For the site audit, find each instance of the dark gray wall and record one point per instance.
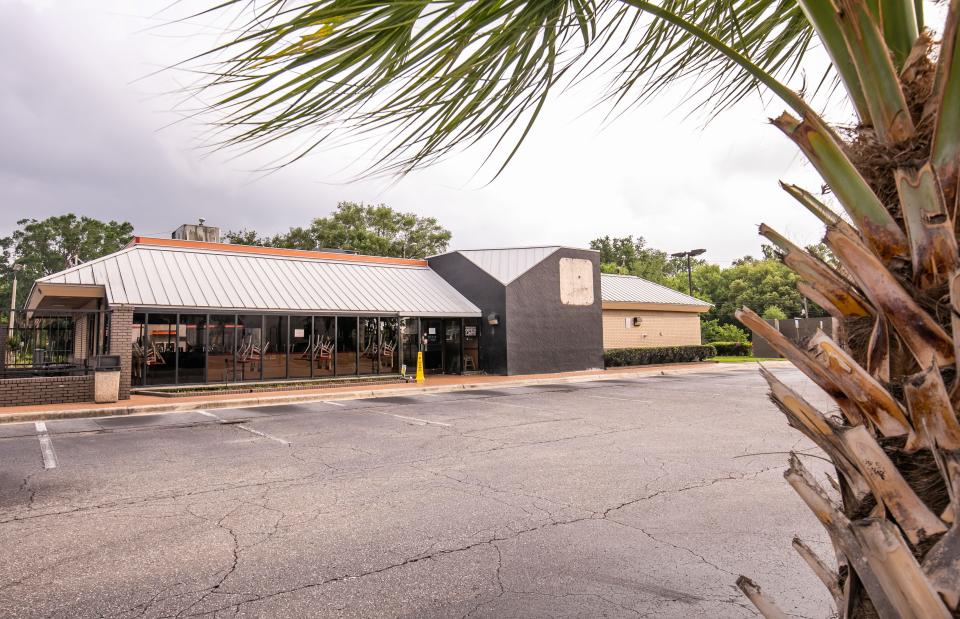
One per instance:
(486, 293)
(543, 334)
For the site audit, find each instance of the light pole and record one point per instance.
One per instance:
(13, 298)
(688, 254)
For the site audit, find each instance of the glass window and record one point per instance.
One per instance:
(471, 344)
(410, 332)
(323, 357)
(451, 346)
(221, 334)
(369, 345)
(301, 346)
(139, 349)
(346, 345)
(191, 348)
(389, 346)
(432, 344)
(161, 351)
(274, 347)
(249, 355)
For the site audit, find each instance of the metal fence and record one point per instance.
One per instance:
(51, 342)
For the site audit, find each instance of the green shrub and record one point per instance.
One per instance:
(713, 331)
(667, 354)
(774, 312)
(733, 349)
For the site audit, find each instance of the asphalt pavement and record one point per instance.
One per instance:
(618, 498)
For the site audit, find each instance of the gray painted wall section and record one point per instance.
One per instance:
(489, 295)
(543, 334)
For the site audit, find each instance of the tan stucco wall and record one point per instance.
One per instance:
(659, 328)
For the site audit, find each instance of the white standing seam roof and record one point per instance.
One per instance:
(506, 265)
(630, 289)
(155, 276)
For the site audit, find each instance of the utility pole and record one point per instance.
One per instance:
(688, 254)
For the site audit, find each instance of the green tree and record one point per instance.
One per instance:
(244, 237)
(629, 256)
(438, 75)
(42, 247)
(376, 230)
(759, 284)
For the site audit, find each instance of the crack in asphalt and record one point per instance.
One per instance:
(253, 598)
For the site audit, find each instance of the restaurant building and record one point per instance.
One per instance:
(184, 312)
(181, 312)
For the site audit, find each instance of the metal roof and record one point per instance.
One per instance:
(506, 265)
(630, 289)
(229, 278)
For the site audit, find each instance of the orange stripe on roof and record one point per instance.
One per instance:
(275, 251)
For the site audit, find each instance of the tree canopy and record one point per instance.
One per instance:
(376, 230)
(42, 247)
(629, 256)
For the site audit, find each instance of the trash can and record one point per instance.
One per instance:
(106, 378)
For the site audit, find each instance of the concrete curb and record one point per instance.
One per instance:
(277, 400)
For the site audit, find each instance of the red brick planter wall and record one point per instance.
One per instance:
(46, 390)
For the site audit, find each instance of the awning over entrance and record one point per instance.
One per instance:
(159, 273)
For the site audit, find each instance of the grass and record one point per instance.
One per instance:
(743, 359)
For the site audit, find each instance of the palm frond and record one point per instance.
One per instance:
(429, 77)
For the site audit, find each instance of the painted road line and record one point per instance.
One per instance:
(246, 428)
(334, 403)
(46, 446)
(414, 419)
(606, 397)
(263, 434)
(499, 402)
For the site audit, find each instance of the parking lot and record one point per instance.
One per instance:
(628, 497)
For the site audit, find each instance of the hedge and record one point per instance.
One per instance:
(666, 354)
(733, 349)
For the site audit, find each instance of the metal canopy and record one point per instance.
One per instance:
(157, 276)
(630, 289)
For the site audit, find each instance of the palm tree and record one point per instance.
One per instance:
(431, 76)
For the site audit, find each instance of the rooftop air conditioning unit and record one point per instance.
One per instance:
(197, 232)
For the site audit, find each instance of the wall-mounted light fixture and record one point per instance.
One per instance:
(493, 319)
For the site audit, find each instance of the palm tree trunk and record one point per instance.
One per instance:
(894, 516)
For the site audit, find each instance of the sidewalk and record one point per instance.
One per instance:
(139, 404)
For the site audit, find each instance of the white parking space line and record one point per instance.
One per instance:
(246, 428)
(416, 420)
(499, 402)
(606, 397)
(46, 446)
(334, 403)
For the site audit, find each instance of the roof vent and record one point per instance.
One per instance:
(197, 232)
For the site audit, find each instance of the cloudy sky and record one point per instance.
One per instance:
(88, 125)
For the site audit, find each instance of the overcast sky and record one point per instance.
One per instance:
(86, 127)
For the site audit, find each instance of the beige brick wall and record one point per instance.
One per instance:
(659, 328)
(121, 343)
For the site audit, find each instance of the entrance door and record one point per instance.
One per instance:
(432, 345)
(451, 346)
